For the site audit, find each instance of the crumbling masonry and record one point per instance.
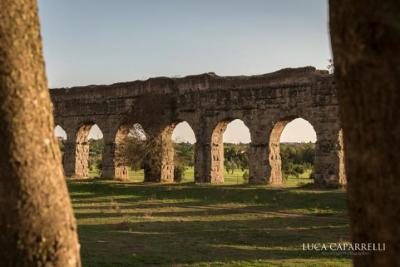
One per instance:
(265, 103)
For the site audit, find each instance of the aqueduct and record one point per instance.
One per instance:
(207, 102)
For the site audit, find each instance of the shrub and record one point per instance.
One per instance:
(246, 176)
(298, 169)
(179, 171)
(99, 164)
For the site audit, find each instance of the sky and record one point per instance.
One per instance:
(103, 42)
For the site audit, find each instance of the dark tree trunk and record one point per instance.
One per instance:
(366, 49)
(37, 225)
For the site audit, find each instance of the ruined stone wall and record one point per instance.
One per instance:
(265, 103)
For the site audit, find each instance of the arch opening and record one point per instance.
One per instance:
(131, 149)
(184, 139)
(89, 151)
(60, 133)
(230, 144)
(292, 147)
(61, 137)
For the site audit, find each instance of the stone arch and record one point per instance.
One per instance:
(274, 156)
(186, 142)
(217, 150)
(82, 149)
(121, 163)
(166, 153)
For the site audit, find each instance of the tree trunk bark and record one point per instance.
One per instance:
(365, 37)
(37, 225)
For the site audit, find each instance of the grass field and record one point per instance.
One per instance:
(136, 224)
(230, 178)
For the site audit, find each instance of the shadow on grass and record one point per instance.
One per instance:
(164, 243)
(132, 224)
(269, 198)
(189, 210)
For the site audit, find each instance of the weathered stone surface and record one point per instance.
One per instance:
(265, 103)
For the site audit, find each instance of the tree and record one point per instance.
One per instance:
(96, 147)
(184, 157)
(36, 221)
(365, 36)
(297, 158)
(230, 166)
(236, 156)
(140, 150)
(184, 153)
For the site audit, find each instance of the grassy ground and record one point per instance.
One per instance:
(136, 224)
(230, 178)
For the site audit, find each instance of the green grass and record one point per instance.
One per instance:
(94, 173)
(229, 178)
(136, 224)
(136, 176)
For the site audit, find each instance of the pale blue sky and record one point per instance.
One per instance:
(103, 41)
